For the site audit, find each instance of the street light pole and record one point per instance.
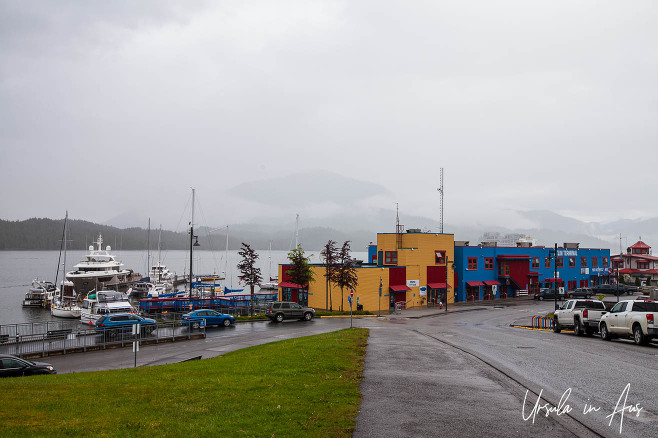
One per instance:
(447, 281)
(379, 309)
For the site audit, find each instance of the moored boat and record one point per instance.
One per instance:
(97, 304)
(100, 270)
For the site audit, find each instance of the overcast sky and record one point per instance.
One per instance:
(110, 108)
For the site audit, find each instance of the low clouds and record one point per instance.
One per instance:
(114, 107)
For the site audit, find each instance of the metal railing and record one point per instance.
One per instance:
(65, 339)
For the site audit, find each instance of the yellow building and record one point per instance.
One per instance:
(414, 269)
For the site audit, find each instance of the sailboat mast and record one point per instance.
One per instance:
(191, 243)
(61, 291)
(226, 270)
(59, 260)
(159, 269)
(297, 231)
(148, 249)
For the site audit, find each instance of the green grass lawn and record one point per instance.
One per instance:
(298, 387)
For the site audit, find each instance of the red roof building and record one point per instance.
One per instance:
(637, 262)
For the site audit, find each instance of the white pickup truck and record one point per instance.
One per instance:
(582, 315)
(636, 318)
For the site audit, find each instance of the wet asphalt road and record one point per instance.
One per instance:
(457, 374)
(466, 374)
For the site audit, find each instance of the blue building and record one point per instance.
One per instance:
(489, 272)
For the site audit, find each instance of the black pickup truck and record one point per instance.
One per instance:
(614, 289)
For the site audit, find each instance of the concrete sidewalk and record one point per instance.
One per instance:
(415, 386)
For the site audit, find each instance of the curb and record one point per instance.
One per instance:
(444, 312)
(347, 316)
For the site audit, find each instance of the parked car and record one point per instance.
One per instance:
(277, 311)
(631, 318)
(548, 294)
(124, 322)
(614, 289)
(13, 366)
(211, 317)
(582, 315)
(581, 292)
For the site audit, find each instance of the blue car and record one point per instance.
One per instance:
(124, 322)
(212, 317)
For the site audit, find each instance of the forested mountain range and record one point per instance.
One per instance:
(46, 234)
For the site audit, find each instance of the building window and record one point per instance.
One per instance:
(488, 263)
(595, 262)
(572, 262)
(535, 263)
(605, 262)
(583, 262)
(503, 268)
(391, 257)
(559, 262)
(286, 294)
(547, 262)
(642, 265)
(302, 297)
(439, 257)
(472, 263)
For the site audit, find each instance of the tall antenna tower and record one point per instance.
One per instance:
(398, 228)
(440, 189)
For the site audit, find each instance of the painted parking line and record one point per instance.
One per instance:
(540, 330)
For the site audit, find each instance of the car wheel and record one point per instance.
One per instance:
(308, 316)
(279, 317)
(541, 298)
(556, 326)
(587, 296)
(638, 336)
(226, 322)
(605, 334)
(577, 329)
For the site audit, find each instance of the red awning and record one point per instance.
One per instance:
(533, 274)
(491, 283)
(474, 283)
(513, 257)
(399, 288)
(290, 285)
(439, 286)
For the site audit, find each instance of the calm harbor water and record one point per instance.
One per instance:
(19, 268)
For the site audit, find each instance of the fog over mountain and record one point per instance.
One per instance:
(331, 206)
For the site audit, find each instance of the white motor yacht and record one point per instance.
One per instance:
(99, 271)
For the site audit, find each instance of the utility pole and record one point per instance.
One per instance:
(555, 278)
(440, 189)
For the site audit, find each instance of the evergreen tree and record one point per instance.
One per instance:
(330, 257)
(345, 275)
(300, 271)
(250, 273)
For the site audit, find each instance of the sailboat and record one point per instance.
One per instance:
(64, 306)
(273, 284)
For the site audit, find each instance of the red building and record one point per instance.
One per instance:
(637, 262)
